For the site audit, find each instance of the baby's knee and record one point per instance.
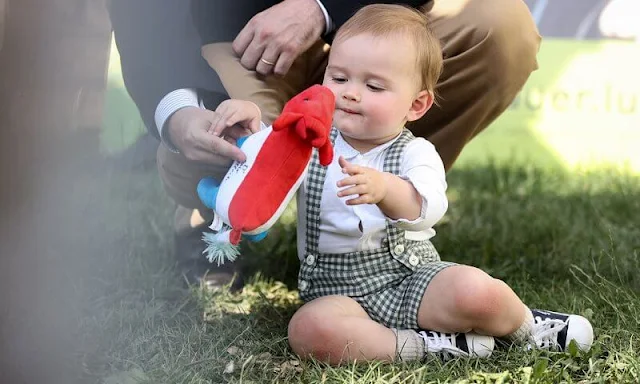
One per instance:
(310, 333)
(298, 332)
(476, 295)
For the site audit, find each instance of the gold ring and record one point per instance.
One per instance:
(267, 61)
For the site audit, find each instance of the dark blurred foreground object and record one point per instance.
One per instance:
(53, 64)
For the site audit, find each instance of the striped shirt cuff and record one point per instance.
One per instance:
(327, 20)
(172, 102)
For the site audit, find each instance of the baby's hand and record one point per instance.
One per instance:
(236, 118)
(366, 182)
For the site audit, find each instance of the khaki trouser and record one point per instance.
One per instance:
(489, 49)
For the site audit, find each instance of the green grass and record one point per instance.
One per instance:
(565, 241)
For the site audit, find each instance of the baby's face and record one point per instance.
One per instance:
(375, 81)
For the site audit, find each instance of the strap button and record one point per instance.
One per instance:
(310, 260)
(398, 249)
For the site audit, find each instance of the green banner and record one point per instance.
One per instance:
(581, 107)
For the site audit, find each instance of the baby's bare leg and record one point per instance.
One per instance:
(336, 329)
(462, 298)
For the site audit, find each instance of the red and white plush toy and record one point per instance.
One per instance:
(253, 194)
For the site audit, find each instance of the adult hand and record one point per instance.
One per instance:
(366, 182)
(190, 130)
(274, 38)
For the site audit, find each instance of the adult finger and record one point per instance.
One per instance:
(242, 41)
(230, 140)
(252, 54)
(237, 131)
(218, 146)
(197, 152)
(224, 148)
(269, 59)
(285, 60)
(206, 157)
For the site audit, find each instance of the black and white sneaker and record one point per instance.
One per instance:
(554, 331)
(449, 345)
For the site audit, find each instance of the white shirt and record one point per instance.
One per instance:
(340, 223)
(187, 97)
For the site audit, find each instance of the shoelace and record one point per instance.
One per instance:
(545, 332)
(442, 343)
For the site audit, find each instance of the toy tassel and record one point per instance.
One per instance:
(220, 246)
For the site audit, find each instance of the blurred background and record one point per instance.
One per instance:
(586, 90)
(85, 226)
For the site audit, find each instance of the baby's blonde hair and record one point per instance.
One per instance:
(392, 20)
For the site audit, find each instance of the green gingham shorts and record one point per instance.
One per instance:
(389, 285)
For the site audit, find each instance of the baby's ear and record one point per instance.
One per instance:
(421, 104)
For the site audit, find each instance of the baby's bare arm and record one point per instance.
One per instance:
(402, 200)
